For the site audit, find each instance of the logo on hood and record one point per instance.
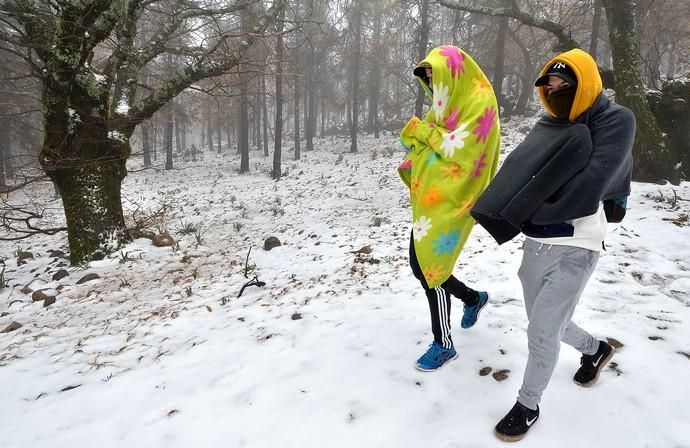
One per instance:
(561, 70)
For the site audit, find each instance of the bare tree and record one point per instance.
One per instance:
(278, 139)
(86, 56)
(354, 76)
(596, 25)
(499, 60)
(4, 152)
(296, 89)
(422, 47)
(243, 142)
(375, 60)
(264, 112)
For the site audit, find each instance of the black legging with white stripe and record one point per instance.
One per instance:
(439, 300)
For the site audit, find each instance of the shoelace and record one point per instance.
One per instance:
(435, 351)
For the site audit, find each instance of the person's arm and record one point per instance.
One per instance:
(612, 140)
(473, 144)
(571, 157)
(540, 165)
(409, 143)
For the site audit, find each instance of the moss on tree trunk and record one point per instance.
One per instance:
(93, 209)
(86, 162)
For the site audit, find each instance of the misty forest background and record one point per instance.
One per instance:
(89, 84)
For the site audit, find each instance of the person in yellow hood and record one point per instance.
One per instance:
(560, 187)
(451, 157)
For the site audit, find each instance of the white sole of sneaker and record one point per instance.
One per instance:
(602, 364)
(422, 369)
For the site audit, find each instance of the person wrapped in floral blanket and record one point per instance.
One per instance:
(452, 155)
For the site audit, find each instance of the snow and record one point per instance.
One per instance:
(122, 107)
(116, 135)
(74, 115)
(164, 354)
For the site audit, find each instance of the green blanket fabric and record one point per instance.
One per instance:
(452, 156)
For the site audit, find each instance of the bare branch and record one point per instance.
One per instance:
(203, 68)
(13, 216)
(565, 40)
(8, 189)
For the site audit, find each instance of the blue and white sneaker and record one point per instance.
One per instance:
(470, 314)
(435, 357)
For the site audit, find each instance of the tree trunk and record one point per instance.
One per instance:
(499, 60)
(154, 133)
(374, 102)
(4, 152)
(230, 128)
(258, 113)
(202, 142)
(256, 122)
(357, 56)
(218, 129)
(209, 125)
(183, 135)
(236, 132)
(86, 162)
(654, 67)
(314, 107)
(671, 107)
(179, 149)
(348, 108)
(278, 139)
(309, 99)
(146, 142)
(375, 78)
(323, 112)
(421, 53)
(651, 158)
(526, 78)
(596, 24)
(243, 142)
(168, 137)
(264, 106)
(297, 136)
(93, 208)
(458, 18)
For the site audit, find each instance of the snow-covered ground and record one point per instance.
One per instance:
(160, 352)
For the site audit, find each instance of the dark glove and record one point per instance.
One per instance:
(615, 209)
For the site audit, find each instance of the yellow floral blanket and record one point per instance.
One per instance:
(452, 155)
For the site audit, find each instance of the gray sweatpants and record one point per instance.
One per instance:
(553, 278)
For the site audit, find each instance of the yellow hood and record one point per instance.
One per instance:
(589, 84)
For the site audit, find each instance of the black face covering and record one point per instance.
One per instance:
(421, 73)
(561, 101)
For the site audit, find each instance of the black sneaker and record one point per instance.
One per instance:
(516, 423)
(592, 365)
